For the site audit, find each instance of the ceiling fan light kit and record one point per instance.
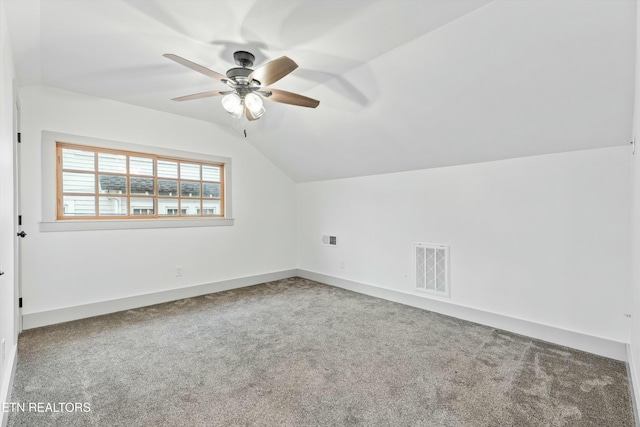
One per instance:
(247, 86)
(254, 104)
(233, 104)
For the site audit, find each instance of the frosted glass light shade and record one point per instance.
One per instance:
(233, 104)
(254, 104)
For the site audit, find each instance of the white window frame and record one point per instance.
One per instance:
(49, 193)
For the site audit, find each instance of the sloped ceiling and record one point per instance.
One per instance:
(403, 84)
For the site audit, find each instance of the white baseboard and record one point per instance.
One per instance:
(577, 340)
(589, 343)
(50, 317)
(634, 385)
(7, 384)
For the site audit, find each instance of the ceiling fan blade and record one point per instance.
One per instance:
(202, 95)
(197, 67)
(247, 113)
(290, 98)
(273, 71)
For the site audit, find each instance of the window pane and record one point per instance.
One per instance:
(78, 182)
(143, 206)
(140, 166)
(115, 163)
(210, 190)
(211, 173)
(144, 186)
(190, 207)
(112, 206)
(167, 188)
(190, 189)
(79, 205)
(189, 171)
(211, 207)
(167, 169)
(78, 159)
(112, 184)
(168, 207)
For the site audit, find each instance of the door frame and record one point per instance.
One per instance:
(17, 205)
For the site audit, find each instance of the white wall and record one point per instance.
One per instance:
(492, 84)
(8, 299)
(65, 269)
(634, 339)
(545, 239)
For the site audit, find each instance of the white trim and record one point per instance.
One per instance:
(50, 223)
(577, 340)
(633, 384)
(66, 314)
(7, 385)
(589, 343)
(121, 224)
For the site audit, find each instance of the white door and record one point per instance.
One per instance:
(19, 233)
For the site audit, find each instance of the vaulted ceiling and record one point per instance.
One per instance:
(402, 84)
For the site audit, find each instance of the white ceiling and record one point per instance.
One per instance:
(402, 84)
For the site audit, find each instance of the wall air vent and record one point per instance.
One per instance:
(432, 268)
(329, 240)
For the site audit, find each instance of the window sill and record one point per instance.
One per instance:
(131, 224)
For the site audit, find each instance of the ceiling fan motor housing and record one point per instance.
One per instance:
(243, 58)
(239, 74)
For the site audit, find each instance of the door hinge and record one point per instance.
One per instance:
(19, 137)
(19, 302)
(19, 219)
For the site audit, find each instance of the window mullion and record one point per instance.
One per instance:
(127, 159)
(200, 212)
(96, 187)
(179, 194)
(156, 187)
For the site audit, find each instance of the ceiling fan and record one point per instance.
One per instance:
(247, 86)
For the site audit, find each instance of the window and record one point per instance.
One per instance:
(100, 183)
(187, 215)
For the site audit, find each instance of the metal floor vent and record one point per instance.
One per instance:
(432, 268)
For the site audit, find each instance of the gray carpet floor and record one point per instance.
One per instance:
(298, 353)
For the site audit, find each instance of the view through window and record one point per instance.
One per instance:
(96, 183)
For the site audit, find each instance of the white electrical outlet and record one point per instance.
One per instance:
(179, 271)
